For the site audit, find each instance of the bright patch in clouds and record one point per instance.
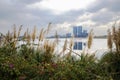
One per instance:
(61, 6)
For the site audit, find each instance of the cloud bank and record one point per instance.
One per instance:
(96, 14)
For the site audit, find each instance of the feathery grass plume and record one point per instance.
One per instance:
(48, 47)
(114, 33)
(24, 37)
(56, 38)
(45, 44)
(90, 39)
(28, 37)
(116, 36)
(70, 46)
(52, 47)
(49, 26)
(14, 32)
(109, 40)
(118, 40)
(7, 37)
(34, 34)
(119, 37)
(71, 42)
(41, 34)
(20, 28)
(64, 46)
(40, 38)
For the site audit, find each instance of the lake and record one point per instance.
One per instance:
(99, 46)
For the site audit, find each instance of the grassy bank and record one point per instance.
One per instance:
(24, 62)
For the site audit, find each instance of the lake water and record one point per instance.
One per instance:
(99, 46)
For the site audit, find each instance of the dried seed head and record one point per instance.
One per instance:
(90, 39)
(71, 43)
(56, 36)
(41, 34)
(14, 32)
(49, 26)
(65, 45)
(109, 40)
(20, 28)
(25, 35)
(34, 34)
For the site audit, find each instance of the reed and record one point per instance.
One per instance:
(116, 37)
(56, 38)
(65, 46)
(109, 40)
(34, 34)
(14, 32)
(19, 30)
(70, 47)
(48, 28)
(28, 36)
(90, 39)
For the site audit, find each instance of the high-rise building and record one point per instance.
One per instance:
(68, 35)
(77, 32)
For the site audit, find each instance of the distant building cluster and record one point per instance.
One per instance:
(78, 32)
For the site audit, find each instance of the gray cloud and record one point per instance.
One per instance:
(17, 12)
(112, 5)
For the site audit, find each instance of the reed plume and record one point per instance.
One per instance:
(109, 40)
(90, 39)
(24, 37)
(70, 46)
(41, 34)
(20, 28)
(116, 37)
(56, 38)
(14, 32)
(65, 46)
(28, 37)
(71, 42)
(34, 34)
(49, 26)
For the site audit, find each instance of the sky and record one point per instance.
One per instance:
(98, 15)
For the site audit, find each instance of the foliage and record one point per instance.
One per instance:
(39, 62)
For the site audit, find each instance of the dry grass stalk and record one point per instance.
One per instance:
(71, 42)
(70, 46)
(65, 46)
(56, 38)
(109, 40)
(45, 44)
(49, 26)
(20, 28)
(28, 37)
(90, 39)
(24, 37)
(34, 34)
(8, 36)
(49, 47)
(116, 37)
(119, 39)
(14, 32)
(41, 34)
(53, 45)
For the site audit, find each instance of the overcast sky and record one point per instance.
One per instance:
(63, 14)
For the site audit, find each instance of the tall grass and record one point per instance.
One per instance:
(39, 61)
